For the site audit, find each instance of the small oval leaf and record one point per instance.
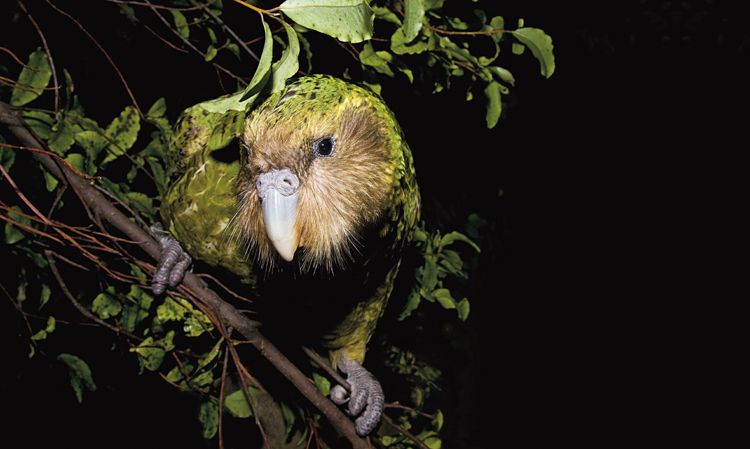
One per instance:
(33, 79)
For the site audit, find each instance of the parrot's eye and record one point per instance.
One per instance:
(324, 147)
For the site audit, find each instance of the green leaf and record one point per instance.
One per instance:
(158, 109)
(386, 14)
(160, 176)
(443, 296)
(494, 104)
(12, 233)
(540, 45)
(7, 157)
(80, 374)
(62, 136)
(136, 309)
(378, 60)
(76, 160)
(517, 48)
(503, 74)
(433, 442)
(105, 306)
(211, 355)
(454, 236)
(122, 132)
(237, 405)
(22, 286)
(412, 302)
(151, 352)
(289, 417)
(33, 79)
(39, 122)
(438, 420)
(463, 308)
(234, 49)
(497, 23)
(413, 16)
(92, 142)
(195, 322)
(307, 49)
(425, 41)
(432, 4)
(211, 53)
(140, 203)
(44, 296)
(263, 71)
(208, 415)
(43, 333)
(288, 64)
(128, 12)
(180, 23)
(346, 20)
(323, 384)
(428, 278)
(172, 310)
(50, 182)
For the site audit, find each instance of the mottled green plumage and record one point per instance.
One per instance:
(202, 200)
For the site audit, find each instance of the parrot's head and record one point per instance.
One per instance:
(317, 167)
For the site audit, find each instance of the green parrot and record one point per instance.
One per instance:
(313, 215)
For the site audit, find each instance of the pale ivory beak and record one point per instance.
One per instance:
(280, 216)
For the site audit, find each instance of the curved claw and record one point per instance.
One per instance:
(366, 400)
(173, 264)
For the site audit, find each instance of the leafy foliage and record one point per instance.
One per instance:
(413, 40)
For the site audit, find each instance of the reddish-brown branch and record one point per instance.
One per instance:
(47, 51)
(13, 55)
(104, 52)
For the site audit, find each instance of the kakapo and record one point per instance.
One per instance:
(323, 196)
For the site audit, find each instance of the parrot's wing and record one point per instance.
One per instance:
(201, 201)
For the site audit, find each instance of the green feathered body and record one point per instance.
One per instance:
(201, 204)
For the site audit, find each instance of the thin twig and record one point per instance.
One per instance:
(104, 52)
(147, 5)
(47, 52)
(467, 33)
(221, 397)
(405, 432)
(20, 310)
(13, 55)
(163, 39)
(83, 310)
(187, 42)
(224, 287)
(231, 32)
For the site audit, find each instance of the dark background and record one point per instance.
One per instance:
(592, 185)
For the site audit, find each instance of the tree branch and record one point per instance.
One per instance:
(229, 315)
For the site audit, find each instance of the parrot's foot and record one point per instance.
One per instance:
(367, 399)
(173, 264)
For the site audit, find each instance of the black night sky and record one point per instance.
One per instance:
(584, 184)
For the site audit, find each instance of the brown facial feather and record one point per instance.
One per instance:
(338, 195)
